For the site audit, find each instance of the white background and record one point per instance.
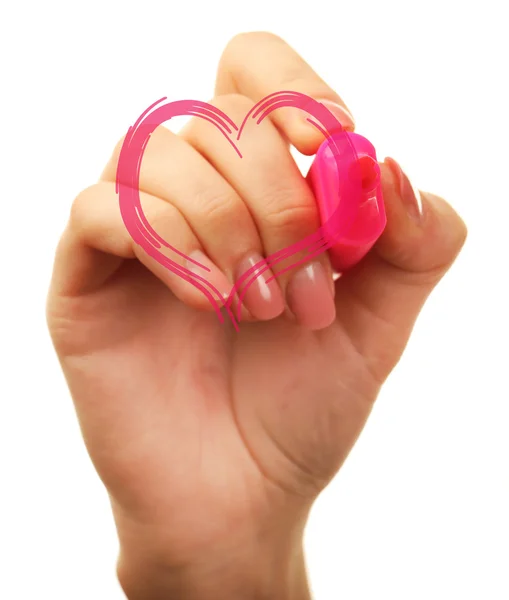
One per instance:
(420, 509)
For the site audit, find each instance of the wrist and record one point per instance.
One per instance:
(252, 572)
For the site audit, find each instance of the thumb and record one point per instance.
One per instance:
(379, 300)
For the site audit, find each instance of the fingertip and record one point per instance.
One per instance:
(423, 231)
(306, 136)
(446, 223)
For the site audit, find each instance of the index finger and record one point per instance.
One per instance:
(257, 64)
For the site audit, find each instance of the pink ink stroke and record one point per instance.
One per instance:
(128, 177)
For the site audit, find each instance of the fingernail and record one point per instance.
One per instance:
(214, 276)
(263, 300)
(410, 195)
(341, 114)
(310, 297)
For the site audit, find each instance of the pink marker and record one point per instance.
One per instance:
(348, 191)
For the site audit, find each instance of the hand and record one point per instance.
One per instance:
(213, 444)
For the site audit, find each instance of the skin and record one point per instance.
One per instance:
(213, 444)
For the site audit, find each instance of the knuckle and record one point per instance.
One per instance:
(217, 207)
(80, 211)
(117, 149)
(233, 45)
(159, 139)
(289, 212)
(112, 163)
(165, 220)
(234, 104)
(248, 39)
(297, 79)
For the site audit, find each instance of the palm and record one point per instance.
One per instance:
(194, 415)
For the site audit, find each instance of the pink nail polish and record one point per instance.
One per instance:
(410, 195)
(263, 300)
(310, 297)
(214, 275)
(340, 112)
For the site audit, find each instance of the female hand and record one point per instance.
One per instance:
(213, 443)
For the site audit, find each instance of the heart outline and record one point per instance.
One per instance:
(140, 230)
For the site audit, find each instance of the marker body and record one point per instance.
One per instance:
(345, 178)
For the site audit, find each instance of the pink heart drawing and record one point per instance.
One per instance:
(128, 175)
